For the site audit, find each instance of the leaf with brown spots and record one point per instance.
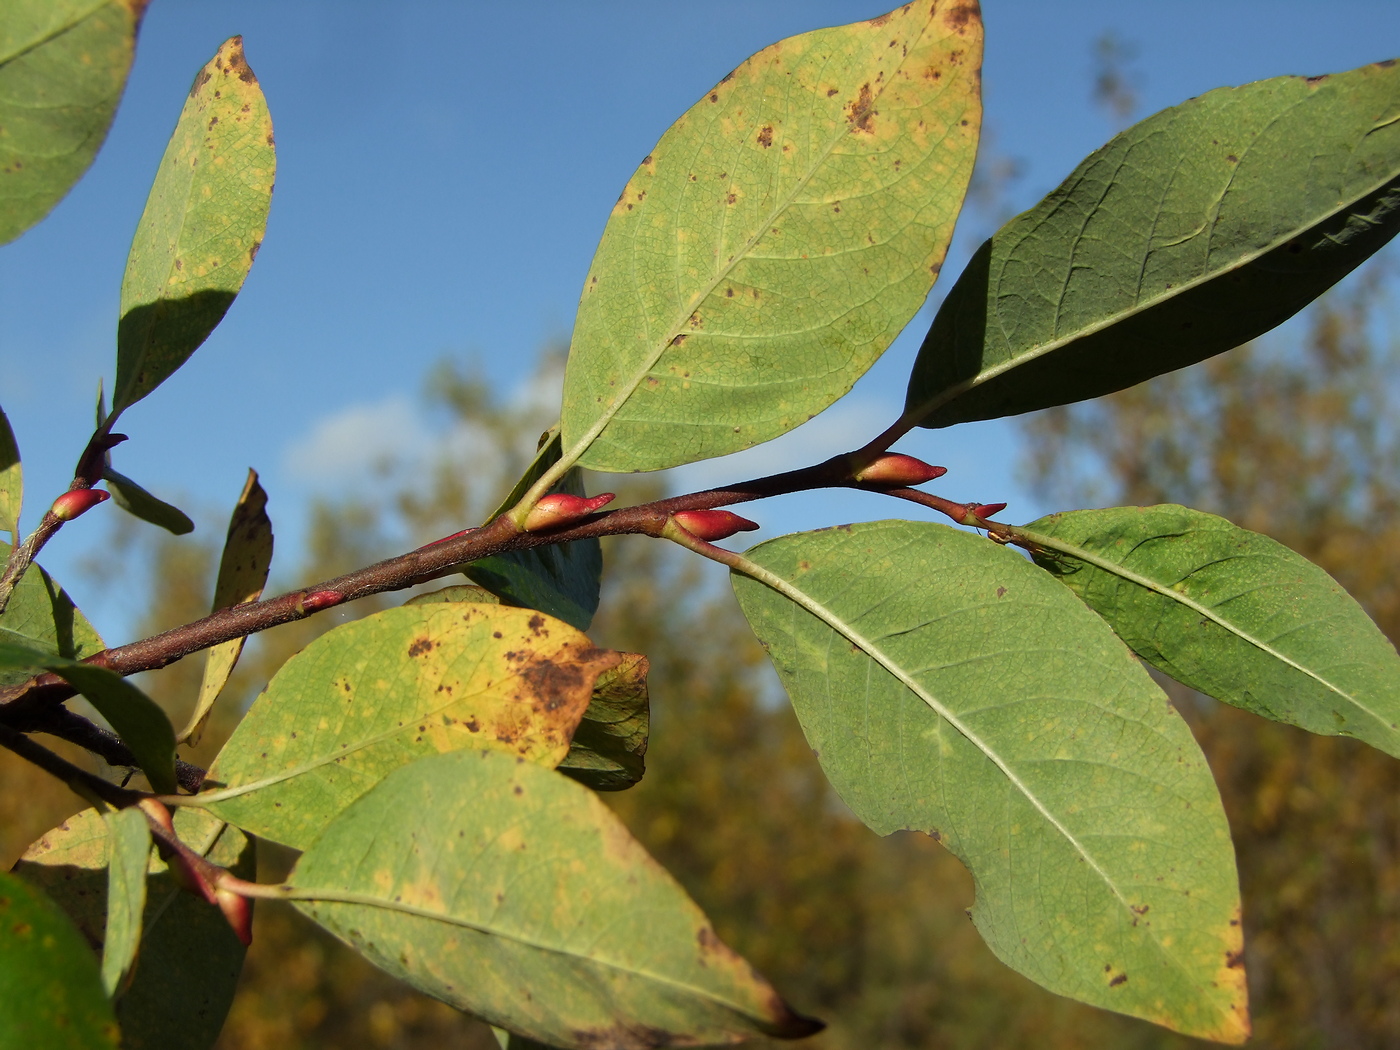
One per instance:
(514, 893)
(378, 693)
(738, 196)
(202, 226)
(610, 745)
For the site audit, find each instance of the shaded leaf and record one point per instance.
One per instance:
(1190, 233)
(11, 480)
(203, 224)
(243, 570)
(136, 501)
(63, 67)
(378, 693)
(610, 744)
(50, 989)
(1231, 613)
(511, 892)
(137, 719)
(561, 579)
(129, 838)
(41, 616)
(948, 686)
(460, 592)
(778, 237)
(190, 960)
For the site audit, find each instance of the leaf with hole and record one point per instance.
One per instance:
(378, 693)
(188, 968)
(1231, 613)
(949, 686)
(775, 241)
(509, 891)
(63, 67)
(203, 224)
(1188, 234)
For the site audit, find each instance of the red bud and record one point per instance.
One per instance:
(238, 910)
(318, 600)
(559, 509)
(986, 510)
(898, 470)
(75, 502)
(712, 524)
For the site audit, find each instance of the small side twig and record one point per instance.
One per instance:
(79, 779)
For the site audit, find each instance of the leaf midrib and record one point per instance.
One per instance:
(55, 33)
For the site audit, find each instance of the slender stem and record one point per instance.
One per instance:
(79, 779)
(58, 721)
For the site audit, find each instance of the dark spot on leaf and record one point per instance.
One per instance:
(535, 623)
(729, 293)
(213, 121)
(1314, 81)
(519, 790)
(199, 81)
(1234, 959)
(1232, 158)
(860, 111)
(1001, 592)
(714, 96)
(678, 340)
(731, 199)
(253, 251)
(1120, 979)
(765, 136)
(958, 17)
(831, 91)
(646, 159)
(420, 647)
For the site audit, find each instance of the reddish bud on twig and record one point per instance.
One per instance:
(318, 600)
(986, 510)
(559, 509)
(75, 502)
(238, 911)
(712, 524)
(899, 471)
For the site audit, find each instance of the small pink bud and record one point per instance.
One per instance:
(712, 524)
(318, 600)
(898, 470)
(75, 502)
(238, 911)
(559, 509)
(986, 510)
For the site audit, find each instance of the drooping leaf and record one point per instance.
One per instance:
(203, 224)
(190, 960)
(561, 579)
(948, 686)
(775, 241)
(458, 592)
(50, 989)
(1232, 613)
(129, 850)
(137, 719)
(610, 744)
(63, 67)
(139, 503)
(11, 480)
(509, 891)
(375, 694)
(41, 616)
(242, 576)
(1188, 234)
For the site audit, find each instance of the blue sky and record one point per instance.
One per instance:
(444, 172)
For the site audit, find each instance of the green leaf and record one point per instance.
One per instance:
(775, 241)
(514, 893)
(137, 719)
(610, 744)
(561, 579)
(190, 960)
(949, 686)
(130, 838)
(1188, 234)
(136, 501)
(1231, 613)
(378, 693)
(242, 576)
(41, 616)
(458, 592)
(203, 224)
(11, 480)
(50, 989)
(63, 66)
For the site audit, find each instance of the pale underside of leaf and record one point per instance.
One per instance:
(1007, 725)
(775, 241)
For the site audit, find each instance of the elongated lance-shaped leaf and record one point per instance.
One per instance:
(63, 67)
(190, 960)
(609, 749)
(129, 849)
(243, 570)
(138, 720)
(1231, 613)
(376, 694)
(775, 241)
(41, 617)
(1188, 234)
(949, 686)
(203, 224)
(510, 891)
(50, 989)
(11, 479)
(139, 503)
(561, 579)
